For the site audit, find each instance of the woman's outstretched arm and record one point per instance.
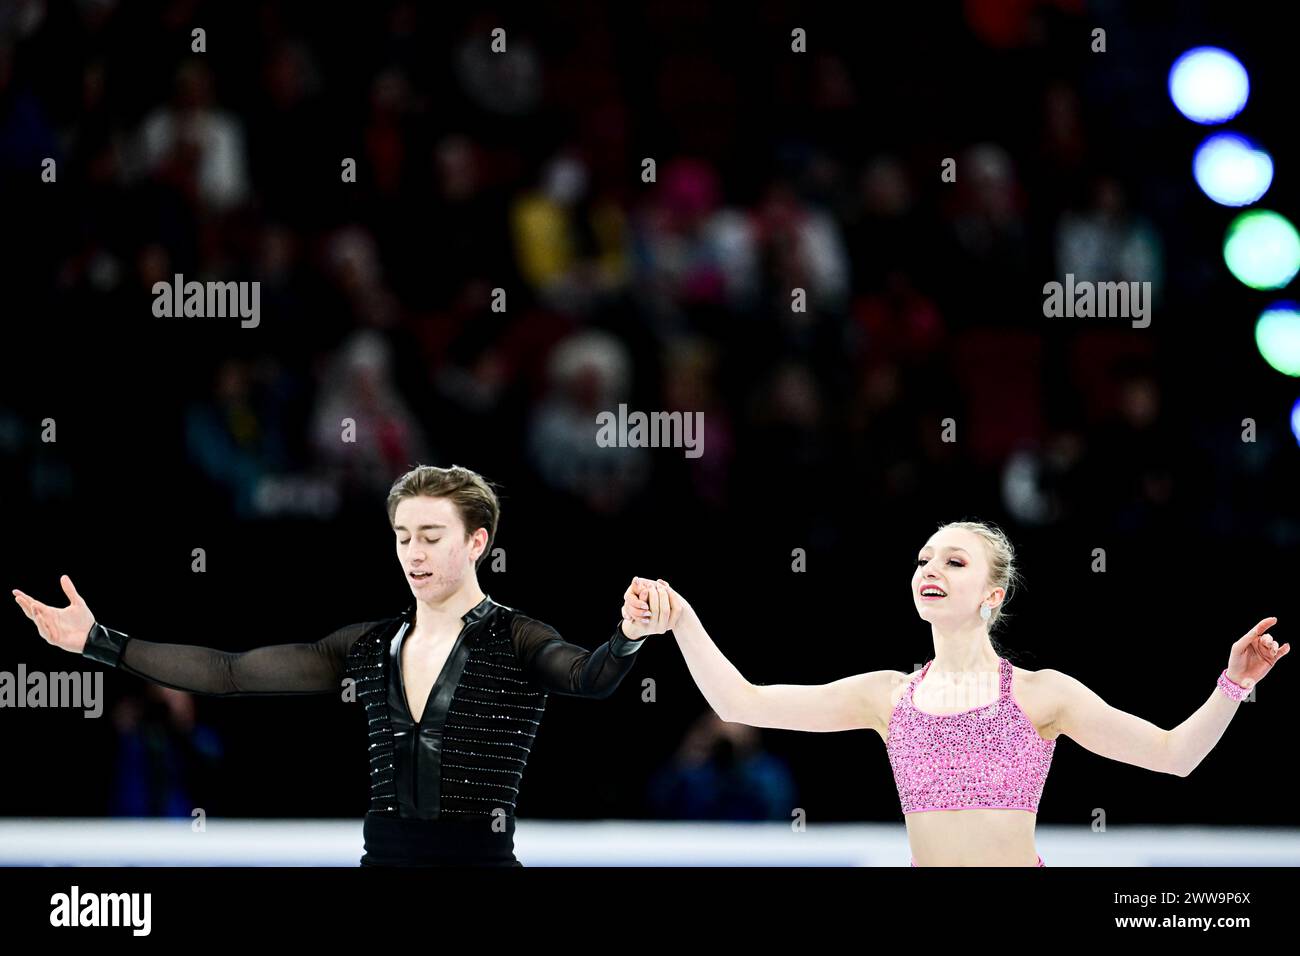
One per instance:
(852, 703)
(307, 668)
(1110, 732)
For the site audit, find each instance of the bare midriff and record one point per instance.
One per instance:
(975, 837)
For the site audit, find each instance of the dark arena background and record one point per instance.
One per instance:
(823, 237)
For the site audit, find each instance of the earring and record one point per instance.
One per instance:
(985, 612)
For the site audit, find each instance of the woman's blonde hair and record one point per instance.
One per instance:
(1002, 560)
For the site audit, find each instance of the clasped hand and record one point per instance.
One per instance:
(651, 607)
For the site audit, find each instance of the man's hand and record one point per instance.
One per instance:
(65, 627)
(650, 607)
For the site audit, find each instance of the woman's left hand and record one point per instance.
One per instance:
(1254, 654)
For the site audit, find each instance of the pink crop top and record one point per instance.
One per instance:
(988, 757)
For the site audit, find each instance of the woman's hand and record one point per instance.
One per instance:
(1254, 654)
(65, 627)
(650, 607)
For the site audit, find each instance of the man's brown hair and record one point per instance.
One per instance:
(473, 497)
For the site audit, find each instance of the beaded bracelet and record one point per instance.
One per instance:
(1230, 687)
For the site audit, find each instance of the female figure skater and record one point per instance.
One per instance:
(453, 688)
(969, 737)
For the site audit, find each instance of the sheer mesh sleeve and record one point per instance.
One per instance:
(307, 668)
(559, 667)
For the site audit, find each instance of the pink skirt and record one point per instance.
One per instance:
(1040, 860)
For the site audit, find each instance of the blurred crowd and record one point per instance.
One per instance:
(500, 267)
